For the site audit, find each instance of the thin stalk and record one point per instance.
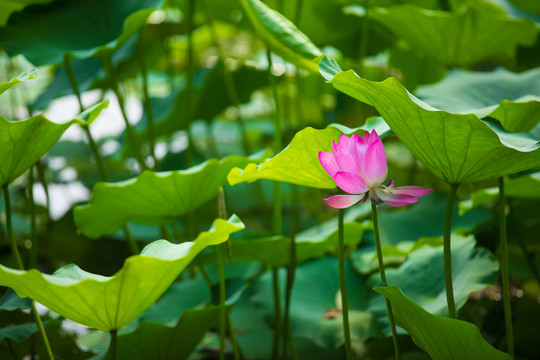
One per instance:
(190, 151)
(43, 180)
(72, 79)
(529, 257)
(364, 39)
(11, 348)
(133, 138)
(343, 286)
(147, 102)
(277, 205)
(132, 243)
(504, 270)
(15, 250)
(229, 81)
(389, 312)
(222, 214)
(288, 291)
(448, 251)
(236, 349)
(33, 231)
(113, 345)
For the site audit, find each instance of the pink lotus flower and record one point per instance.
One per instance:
(358, 166)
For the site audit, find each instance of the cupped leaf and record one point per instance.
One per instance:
(153, 197)
(4, 85)
(22, 143)
(110, 303)
(511, 98)
(458, 148)
(299, 162)
(441, 338)
(460, 38)
(281, 35)
(43, 34)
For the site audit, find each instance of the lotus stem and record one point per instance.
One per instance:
(287, 331)
(147, 101)
(389, 311)
(448, 251)
(15, 250)
(33, 231)
(504, 270)
(222, 214)
(113, 346)
(277, 313)
(132, 135)
(190, 151)
(343, 286)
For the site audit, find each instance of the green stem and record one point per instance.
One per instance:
(33, 229)
(287, 338)
(190, 151)
(529, 257)
(343, 286)
(113, 345)
(277, 313)
(147, 101)
(364, 40)
(132, 243)
(448, 251)
(389, 311)
(236, 349)
(132, 135)
(504, 269)
(43, 180)
(11, 348)
(229, 81)
(15, 250)
(222, 214)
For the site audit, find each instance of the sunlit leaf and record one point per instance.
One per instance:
(43, 34)
(511, 98)
(281, 35)
(109, 303)
(465, 37)
(153, 197)
(22, 143)
(441, 338)
(457, 148)
(299, 162)
(4, 85)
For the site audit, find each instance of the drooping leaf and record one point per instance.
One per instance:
(458, 148)
(441, 338)
(4, 85)
(525, 187)
(154, 197)
(281, 35)
(299, 162)
(460, 38)
(511, 98)
(109, 303)
(43, 34)
(158, 341)
(421, 276)
(22, 143)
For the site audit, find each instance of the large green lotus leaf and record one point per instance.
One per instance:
(457, 39)
(421, 276)
(153, 197)
(10, 6)
(458, 148)
(110, 303)
(281, 35)
(4, 85)
(299, 162)
(441, 338)
(22, 143)
(43, 34)
(525, 187)
(158, 341)
(511, 98)
(314, 242)
(313, 303)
